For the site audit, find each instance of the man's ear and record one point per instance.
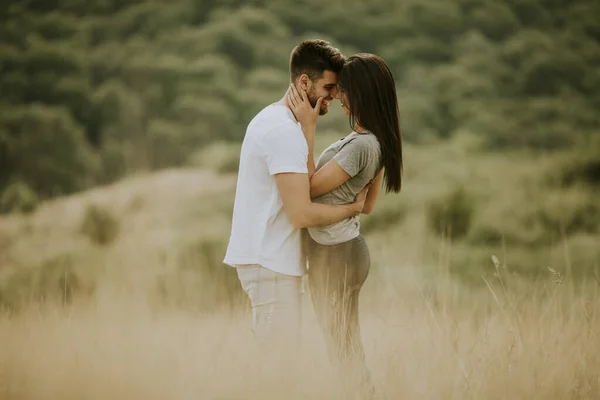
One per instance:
(304, 82)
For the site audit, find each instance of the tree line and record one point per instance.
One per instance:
(91, 90)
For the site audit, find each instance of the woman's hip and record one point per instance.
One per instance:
(348, 260)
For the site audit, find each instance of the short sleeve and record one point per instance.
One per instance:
(354, 156)
(286, 150)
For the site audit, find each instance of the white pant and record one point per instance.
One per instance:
(276, 302)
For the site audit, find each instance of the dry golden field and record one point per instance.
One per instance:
(128, 300)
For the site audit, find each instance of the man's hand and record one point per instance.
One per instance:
(305, 114)
(359, 200)
(307, 117)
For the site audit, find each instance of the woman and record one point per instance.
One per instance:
(338, 255)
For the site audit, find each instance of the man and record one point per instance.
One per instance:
(272, 200)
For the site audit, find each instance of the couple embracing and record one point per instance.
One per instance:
(294, 217)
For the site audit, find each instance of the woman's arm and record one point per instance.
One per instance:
(331, 175)
(373, 193)
(348, 162)
(327, 178)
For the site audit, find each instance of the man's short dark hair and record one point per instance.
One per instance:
(313, 57)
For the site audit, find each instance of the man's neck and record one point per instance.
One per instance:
(283, 102)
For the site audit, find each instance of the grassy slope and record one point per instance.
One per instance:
(515, 215)
(426, 334)
(158, 217)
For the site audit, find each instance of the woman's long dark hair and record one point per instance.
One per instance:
(369, 86)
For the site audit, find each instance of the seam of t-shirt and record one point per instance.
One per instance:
(282, 169)
(345, 170)
(289, 169)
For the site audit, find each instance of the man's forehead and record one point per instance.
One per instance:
(328, 78)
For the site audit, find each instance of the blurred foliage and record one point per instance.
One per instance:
(18, 197)
(201, 280)
(100, 225)
(450, 215)
(56, 280)
(93, 90)
(219, 156)
(387, 214)
(578, 169)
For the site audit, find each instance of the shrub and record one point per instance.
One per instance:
(451, 214)
(99, 225)
(382, 219)
(58, 280)
(584, 169)
(521, 229)
(55, 280)
(18, 196)
(222, 157)
(18, 289)
(201, 281)
(539, 218)
(500, 222)
(229, 165)
(579, 165)
(47, 148)
(568, 212)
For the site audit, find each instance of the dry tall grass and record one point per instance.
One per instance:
(426, 334)
(424, 340)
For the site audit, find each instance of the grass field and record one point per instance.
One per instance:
(434, 340)
(119, 292)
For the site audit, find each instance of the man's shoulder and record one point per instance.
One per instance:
(275, 114)
(271, 119)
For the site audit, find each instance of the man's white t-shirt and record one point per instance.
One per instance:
(261, 232)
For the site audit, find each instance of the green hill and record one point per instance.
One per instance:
(91, 91)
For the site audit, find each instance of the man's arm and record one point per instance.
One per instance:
(307, 116)
(294, 190)
(310, 141)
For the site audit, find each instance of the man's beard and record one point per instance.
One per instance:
(313, 98)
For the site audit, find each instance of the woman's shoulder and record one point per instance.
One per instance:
(367, 139)
(363, 142)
